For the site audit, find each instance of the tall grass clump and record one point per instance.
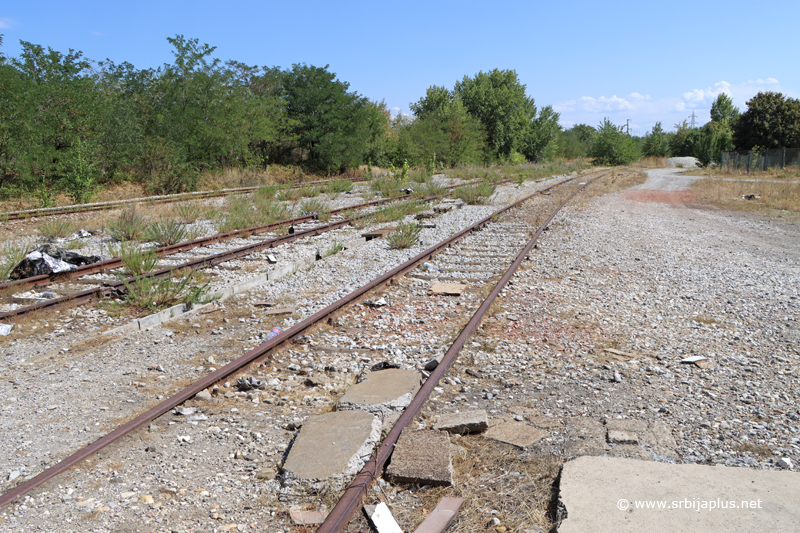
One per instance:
(406, 236)
(128, 226)
(477, 194)
(151, 294)
(56, 228)
(166, 232)
(135, 259)
(388, 187)
(396, 211)
(188, 212)
(12, 255)
(317, 207)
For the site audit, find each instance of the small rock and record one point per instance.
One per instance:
(146, 499)
(203, 395)
(785, 462)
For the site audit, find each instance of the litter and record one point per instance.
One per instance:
(5, 329)
(381, 517)
(250, 383)
(46, 259)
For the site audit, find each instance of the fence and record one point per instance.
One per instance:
(749, 160)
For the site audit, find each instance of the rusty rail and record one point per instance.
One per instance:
(261, 351)
(347, 506)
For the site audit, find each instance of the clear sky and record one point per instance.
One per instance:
(642, 60)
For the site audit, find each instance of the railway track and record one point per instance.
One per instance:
(301, 227)
(159, 199)
(455, 258)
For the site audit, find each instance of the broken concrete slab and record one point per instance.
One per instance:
(421, 456)
(306, 518)
(515, 433)
(280, 311)
(473, 421)
(384, 392)
(379, 233)
(622, 437)
(441, 516)
(331, 445)
(606, 494)
(450, 289)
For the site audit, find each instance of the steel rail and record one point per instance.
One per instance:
(348, 504)
(248, 358)
(43, 280)
(159, 199)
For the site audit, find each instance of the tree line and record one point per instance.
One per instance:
(772, 120)
(71, 124)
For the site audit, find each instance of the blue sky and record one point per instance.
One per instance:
(646, 61)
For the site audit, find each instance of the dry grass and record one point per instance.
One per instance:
(651, 162)
(768, 197)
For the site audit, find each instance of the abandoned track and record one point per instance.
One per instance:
(263, 350)
(160, 199)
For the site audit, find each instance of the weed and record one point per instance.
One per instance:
(475, 194)
(166, 232)
(335, 248)
(135, 260)
(420, 176)
(406, 236)
(289, 195)
(396, 211)
(188, 212)
(56, 228)
(429, 189)
(151, 294)
(12, 255)
(339, 186)
(316, 207)
(128, 226)
(309, 191)
(389, 187)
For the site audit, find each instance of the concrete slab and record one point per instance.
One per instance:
(331, 445)
(516, 433)
(452, 289)
(605, 494)
(383, 392)
(441, 517)
(423, 457)
(473, 421)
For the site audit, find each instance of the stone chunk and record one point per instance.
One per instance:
(621, 437)
(382, 392)
(423, 457)
(441, 517)
(331, 445)
(516, 433)
(306, 518)
(473, 421)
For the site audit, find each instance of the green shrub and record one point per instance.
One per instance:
(56, 228)
(135, 259)
(477, 194)
(406, 236)
(612, 147)
(166, 232)
(188, 212)
(128, 226)
(151, 294)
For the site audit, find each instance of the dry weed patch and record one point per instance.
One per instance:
(763, 197)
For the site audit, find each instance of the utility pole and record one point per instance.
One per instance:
(693, 123)
(628, 126)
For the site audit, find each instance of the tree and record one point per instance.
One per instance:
(772, 120)
(436, 97)
(611, 146)
(498, 100)
(330, 122)
(655, 142)
(723, 111)
(540, 137)
(678, 145)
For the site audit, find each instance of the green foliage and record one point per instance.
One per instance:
(396, 211)
(772, 120)
(135, 259)
(128, 226)
(540, 140)
(679, 143)
(498, 101)
(188, 212)
(56, 228)
(656, 142)
(166, 232)
(151, 294)
(611, 146)
(405, 236)
(713, 139)
(723, 111)
(12, 255)
(435, 99)
(80, 173)
(317, 207)
(334, 248)
(477, 194)
(574, 143)
(339, 186)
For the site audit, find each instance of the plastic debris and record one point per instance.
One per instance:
(5, 329)
(46, 259)
(250, 383)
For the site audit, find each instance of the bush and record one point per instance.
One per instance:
(406, 236)
(612, 147)
(477, 194)
(128, 226)
(166, 232)
(135, 259)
